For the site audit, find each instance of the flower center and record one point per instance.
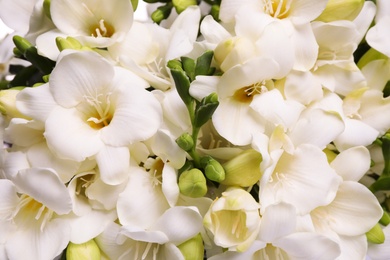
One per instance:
(100, 113)
(146, 250)
(155, 168)
(101, 29)
(236, 222)
(277, 8)
(271, 253)
(83, 182)
(29, 211)
(246, 94)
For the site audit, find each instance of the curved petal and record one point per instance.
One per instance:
(304, 11)
(213, 31)
(353, 163)
(302, 87)
(278, 220)
(69, 137)
(23, 132)
(46, 187)
(305, 47)
(79, 75)
(170, 187)
(138, 234)
(177, 232)
(114, 164)
(9, 199)
(378, 38)
(353, 247)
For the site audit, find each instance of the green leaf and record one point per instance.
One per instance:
(383, 183)
(189, 67)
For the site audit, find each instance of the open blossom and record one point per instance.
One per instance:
(93, 109)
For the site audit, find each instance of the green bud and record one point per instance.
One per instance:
(134, 3)
(203, 64)
(181, 5)
(192, 183)
(46, 8)
(385, 220)
(68, 43)
(376, 235)
(193, 249)
(244, 169)
(330, 155)
(341, 10)
(189, 67)
(161, 13)
(87, 251)
(174, 65)
(212, 168)
(21, 44)
(182, 84)
(185, 142)
(205, 110)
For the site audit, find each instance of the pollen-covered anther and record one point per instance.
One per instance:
(277, 8)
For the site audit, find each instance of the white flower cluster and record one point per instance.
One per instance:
(253, 136)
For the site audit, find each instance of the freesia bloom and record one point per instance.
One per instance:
(93, 109)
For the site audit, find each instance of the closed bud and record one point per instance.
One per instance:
(181, 5)
(161, 13)
(233, 51)
(87, 251)
(175, 65)
(46, 8)
(185, 142)
(243, 170)
(376, 235)
(193, 249)
(21, 44)
(192, 183)
(68, 43)
(330, 155)
(213, 169)
(8, 103)
(341, 10)
(385, 220)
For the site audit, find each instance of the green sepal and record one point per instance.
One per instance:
(376, 235)
(181, 5)
(134, 3)
(46, 8)
(175, 65)
(383, 183)
(205, 109)
(189, 67)
(182, 84)
(215, 12)
(188, 165)
(203, 64)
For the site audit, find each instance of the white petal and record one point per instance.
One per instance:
(89, 226)
(377, 73)
(203, 86)
(317, 127)
(356, 133)
(170, 187)
(277, 221)
(364, 19)
(14, 162)
(140, 191)
(9, 199)
(380, 251)
(353, 247)
(46, 187)
(304, 11)
(189, 225)
(113, 163)
(305, 47)
(374, 109)
(378, 38)
(138, 234)
(16, 14)
(46, 44)
(354, 211)
(353, 163)
(229, 8)
(79, 75)
(212, 31)
(308, 246)
(36, 102)
(302, 87)
(230, 118)
(23, 132)
(69, 137)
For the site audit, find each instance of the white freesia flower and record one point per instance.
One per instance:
(32, 205)
(100, 110)
(234, 219)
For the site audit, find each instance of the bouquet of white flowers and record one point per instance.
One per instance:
(215, 129)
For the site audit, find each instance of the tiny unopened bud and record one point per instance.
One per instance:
(88, 250)
(376, 235)
(193, 249)
(244, 169)
(212, 169)
(192, 183)
(185, 142)
(341, 10)
(385, 220)
(68, 43)
(181, 5)
(161, 13)
(21, 44)
(175, 65)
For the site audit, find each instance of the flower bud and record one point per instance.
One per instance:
(193, 249)
(8, 102)
(181, 5)
(385, 220)
(243, 170)
(185, 142)
(341, 10)
(46, 8)
(192, 183)
(213, 169)
(161, 13)
(21, 44)
(330, 155)
(376, 235)
(233, 51)
(69, 43)
(88, 250)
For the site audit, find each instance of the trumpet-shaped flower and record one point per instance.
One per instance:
(92, 109)
(234, 219)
